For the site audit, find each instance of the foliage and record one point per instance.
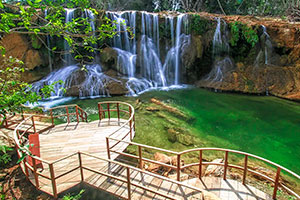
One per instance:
(39, 18)
(14, 92)
(199, 25)
(4, 156)
(76, 197)
(2, 196)
(240, 31)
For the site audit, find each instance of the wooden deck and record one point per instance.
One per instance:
(66, 139)
(63, 140)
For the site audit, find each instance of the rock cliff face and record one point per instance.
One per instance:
(20, 46)
(252, 74)
(271, 66)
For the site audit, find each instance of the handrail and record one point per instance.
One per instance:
(131, 117)
(82, 114)
(130, 122)
(200, 163)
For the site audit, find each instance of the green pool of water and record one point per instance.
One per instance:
(265, 126)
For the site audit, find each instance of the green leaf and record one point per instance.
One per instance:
(1, 5)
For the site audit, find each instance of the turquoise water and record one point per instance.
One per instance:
(265, 126)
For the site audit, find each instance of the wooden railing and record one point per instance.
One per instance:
(78, 112)
(200, 151)
(52, 178)
(114, 113)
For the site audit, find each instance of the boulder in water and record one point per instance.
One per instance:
(116, 88)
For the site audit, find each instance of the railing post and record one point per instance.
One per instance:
(276, 183)
(140, 157)
(134, 121)
(25, 166)
(200, 164)
(67, 111)
(178, 167)
(80, 166)
(81, 115)
(54, 190)
(107, 148)
(108, 112)
(52, 119)
(128, 183)
(36, 178)
(225, 165)
(33, 124)
(245, 169)
(77, 114)
(99, 110)
(130, 128)
(118, 112)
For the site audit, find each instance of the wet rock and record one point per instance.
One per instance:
(214, 170)
(108, 57)
(33, 59)
(73, 91)
(116, 88)
(278, 81)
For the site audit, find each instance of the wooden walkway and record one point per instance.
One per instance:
(81, 152)
(66, 139)
(59, 142)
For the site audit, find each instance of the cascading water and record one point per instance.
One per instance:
(265, 54)
(91, 19)
(89, 82)
(141, 61)
(66, 75)
(268, 45)
(150, 71)
(177, 47)
(68, 56)
(223, 62)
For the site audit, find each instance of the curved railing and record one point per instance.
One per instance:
(122, 114)
(112, 112)
(178, 167)
(78, 112)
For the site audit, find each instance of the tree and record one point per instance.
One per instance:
(31, 19)
(28, 17)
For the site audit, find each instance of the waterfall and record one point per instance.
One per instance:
(267, 46)
(264, 55)
(141, 62)
(177, 47)
(223, 62)
(151, 64)
(49, 47)
(90, 82)
(151, 70)
(68, 56)
(65, 74)
(95, 82)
